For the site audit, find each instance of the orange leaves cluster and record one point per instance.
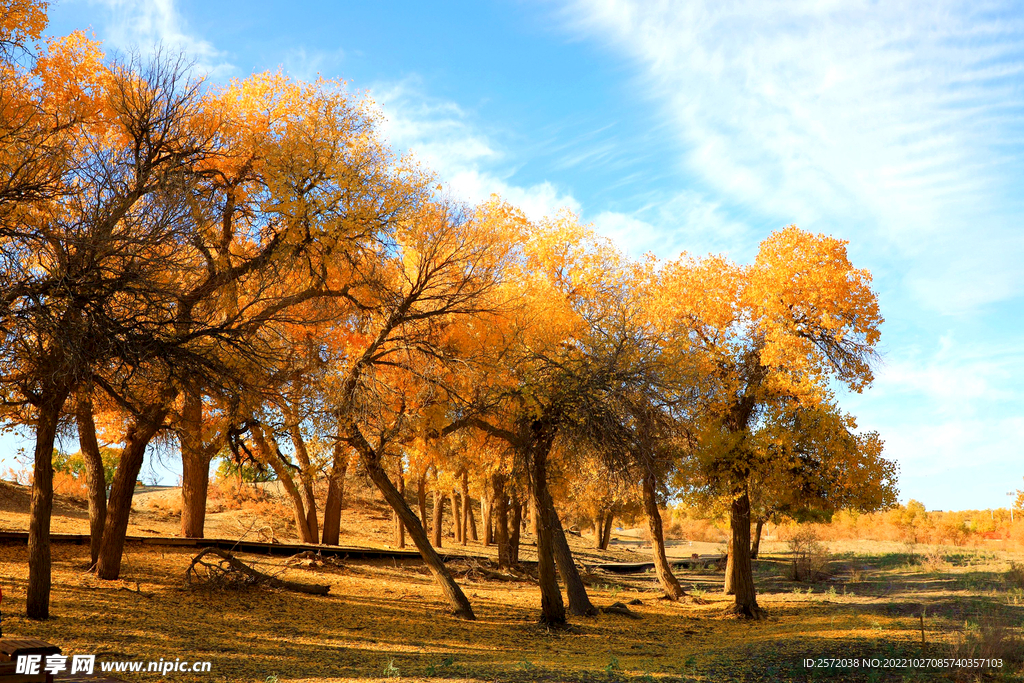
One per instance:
(22, 21)
(816, 311)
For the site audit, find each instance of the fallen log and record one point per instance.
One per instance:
(229, 571)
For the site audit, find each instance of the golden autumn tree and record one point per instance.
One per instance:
(568, 364)
(772, 335)
(296, 208)
(435, 281)
(81, 239)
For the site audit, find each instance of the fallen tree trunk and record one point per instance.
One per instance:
(229, 570)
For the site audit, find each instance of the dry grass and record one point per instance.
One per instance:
(387, 620)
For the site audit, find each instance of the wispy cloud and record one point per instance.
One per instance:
(157, 24)
(901, 120)
(443, 136)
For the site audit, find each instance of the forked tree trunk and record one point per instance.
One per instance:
(599, 530)
(119, 507)
(456, 598)
(37, 600)
(579, 601)
(335, 494)
(742, 571)
(438, 517)
(756, 546)
(306, 474)
(195, 466)
(267, 452)
(551, 605)
(668, 581)
(487, 517)
(95, 475)
(517, 524)
(606, 537)
(399, 526)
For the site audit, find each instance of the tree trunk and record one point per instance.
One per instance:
(756, 546)
(94, 474)
(37, 600)
(579, 601)
(399, 527)
(501, 525)
(486, 516)
(421, 498)
(270, 456)
(606, 537)
(468, 523)
(456, 598)
(195, 466)
(533, 515)
(730, 557)
(335, 495)
(119, 507)
(599, 530)
(661, 566)
(517, 523)
(305, 472)
(551, 605)
(742, 572)
(457, 531)
(435, 526)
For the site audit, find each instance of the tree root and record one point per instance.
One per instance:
(752, 612)
(229, 572)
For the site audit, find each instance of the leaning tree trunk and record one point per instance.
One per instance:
(37, 600)
(606, 537)
(335, 495)
(456, 598)
(668, 581)
(95, 476)
(579, 601)
(742, 571)
(756, 546)
(195, 466)
(108, 565)
(269, 455)
(551, 605)
(438, 516)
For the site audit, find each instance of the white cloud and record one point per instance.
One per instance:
(442, 135)
(307, 65)
(151, 24)
(900, 116)
(951, 418)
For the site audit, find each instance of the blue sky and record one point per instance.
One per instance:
(702, 127)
